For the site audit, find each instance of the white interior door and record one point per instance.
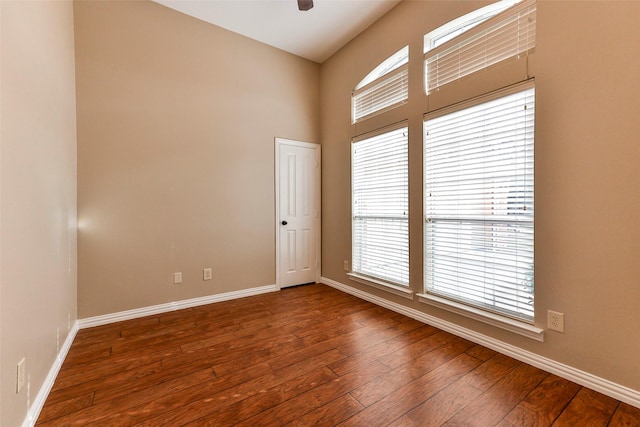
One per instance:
(297, 212)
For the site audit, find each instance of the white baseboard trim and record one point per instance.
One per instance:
(38, 403)
(609, 388)
(172, 306)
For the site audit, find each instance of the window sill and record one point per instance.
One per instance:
(496, 320)
(394, 289)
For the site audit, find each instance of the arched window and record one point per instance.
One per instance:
(477, 41)
(479, 167)
(464, 23)
(383, 88)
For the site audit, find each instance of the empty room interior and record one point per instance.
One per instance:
(155, 164)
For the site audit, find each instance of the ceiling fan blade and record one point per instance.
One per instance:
(305, 4)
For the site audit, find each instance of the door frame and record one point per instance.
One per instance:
(279, 142)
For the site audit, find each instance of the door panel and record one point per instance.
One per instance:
(298, 212)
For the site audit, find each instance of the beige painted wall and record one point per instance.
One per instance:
(176, 127)
(176, 121)
(38, 194)
(587, 173)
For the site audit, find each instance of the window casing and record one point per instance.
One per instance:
(380, 204)
(384, 88)
(479, 202)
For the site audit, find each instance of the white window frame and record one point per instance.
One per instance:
(365, 269)
(384, 88)
(487, 37)
(464, 23)
(464, 307)
(395, 61)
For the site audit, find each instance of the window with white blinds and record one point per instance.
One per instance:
(380, 206)
(383, 88)
(479, 204)
(507, 35)
(464, 23)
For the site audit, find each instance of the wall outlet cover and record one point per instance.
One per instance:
(555, 321)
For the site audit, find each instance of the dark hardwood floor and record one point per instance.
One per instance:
(309, 355)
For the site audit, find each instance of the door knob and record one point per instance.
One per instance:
(284, 222)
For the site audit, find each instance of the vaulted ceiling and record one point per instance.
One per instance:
(315, 34)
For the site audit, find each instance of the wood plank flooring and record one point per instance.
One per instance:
(309, 355)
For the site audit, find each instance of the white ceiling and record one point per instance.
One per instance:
(315, 34)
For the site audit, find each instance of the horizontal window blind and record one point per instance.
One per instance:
(393, 62)
(385, 93)
(479, 204)
(464, 23)
(380, 203)
(507, 35)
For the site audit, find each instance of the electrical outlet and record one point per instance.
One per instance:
(206, 274)
(555, 321)
(177, 278)
(345, 265)
(20, 375)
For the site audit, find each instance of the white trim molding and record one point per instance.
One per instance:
(503, 322)
(172, 306)
(38, 403)
(394, 289)
(604, 386)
